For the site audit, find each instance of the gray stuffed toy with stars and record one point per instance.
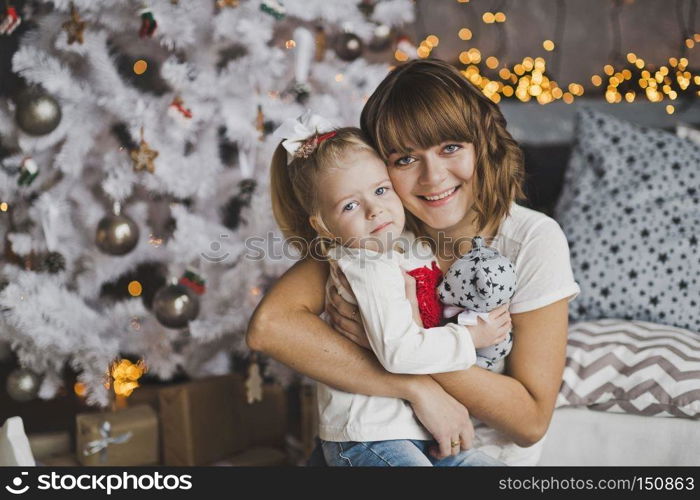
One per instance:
(480, 281)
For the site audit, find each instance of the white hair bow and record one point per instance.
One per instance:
(295, 132)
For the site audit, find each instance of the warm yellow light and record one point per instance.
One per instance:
(423, 52)
(670, 109)
(519, 70)
(614, 81)
(488, 17)
(626, 74)
(140, 67)
(596, 80)
(500, 17)
(663, 70)
(504, 73)
(3, 207)
(696, 37)
(464, 57)
(609, 70)
(629, 96)
(290, 44)
(610, 96)
(548, 45)
(463, 1)
(528, 63)
(631, 57)
(690, 43)
(135, 288)
(400, 55)
(79, 389)
(492, 62)
(639, 63)
(535, 90)
(507, 91)
(696, 79)
(475, 55)
(673, 95)
(465, 34)
(432, 40)
(568, 98)
(673, 61)
(557, 93)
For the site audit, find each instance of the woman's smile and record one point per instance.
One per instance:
(441, 198)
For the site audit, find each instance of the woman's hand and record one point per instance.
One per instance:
(344, 316)
(443, 416)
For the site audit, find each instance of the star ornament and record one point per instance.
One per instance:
(75, 27)
(143, 157)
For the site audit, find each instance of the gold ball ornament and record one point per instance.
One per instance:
(37, 112)
(175, 306)
(117, 234)
(22, 385)
(348, 47)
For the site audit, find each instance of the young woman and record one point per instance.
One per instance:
(458, 173)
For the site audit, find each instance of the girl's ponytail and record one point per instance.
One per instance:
(290, 215)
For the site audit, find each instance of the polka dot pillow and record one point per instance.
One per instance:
(630, 208)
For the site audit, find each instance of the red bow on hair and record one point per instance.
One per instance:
(429, 305)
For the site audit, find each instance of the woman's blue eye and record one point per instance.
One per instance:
(405, 160)
(381, 190)
(451, 148)
(346, 209)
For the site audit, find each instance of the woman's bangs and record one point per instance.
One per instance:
(420, 116)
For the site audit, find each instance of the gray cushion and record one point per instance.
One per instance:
(630, 209)
(632, 367)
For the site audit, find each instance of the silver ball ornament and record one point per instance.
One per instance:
(37, 112)
(116, 234)
(175, 306)
(22, 385)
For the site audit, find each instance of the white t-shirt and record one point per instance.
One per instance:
(538, 249)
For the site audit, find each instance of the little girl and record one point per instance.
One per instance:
(332, 194)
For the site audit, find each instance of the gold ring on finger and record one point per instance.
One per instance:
(454, 444)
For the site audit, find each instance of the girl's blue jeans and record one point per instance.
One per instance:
(397, 453)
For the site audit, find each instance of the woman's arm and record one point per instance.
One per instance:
(286, 326)
(519, 403)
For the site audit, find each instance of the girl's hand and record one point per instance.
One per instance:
(493, 330)
(344, 316)
(443, 416)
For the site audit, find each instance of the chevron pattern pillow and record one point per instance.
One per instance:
(632, 367)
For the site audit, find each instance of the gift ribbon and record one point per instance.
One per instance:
(100, 445)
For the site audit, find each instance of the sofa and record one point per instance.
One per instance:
(626, 196)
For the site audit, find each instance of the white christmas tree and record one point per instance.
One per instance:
(110, 170)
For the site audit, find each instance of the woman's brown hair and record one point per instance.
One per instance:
(425, 102)
(294, 190)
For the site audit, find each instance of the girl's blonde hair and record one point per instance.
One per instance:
(426, 102)
(294, 189)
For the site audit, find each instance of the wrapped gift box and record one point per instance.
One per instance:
(123, 437)
(209, 419)
(50, 444)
